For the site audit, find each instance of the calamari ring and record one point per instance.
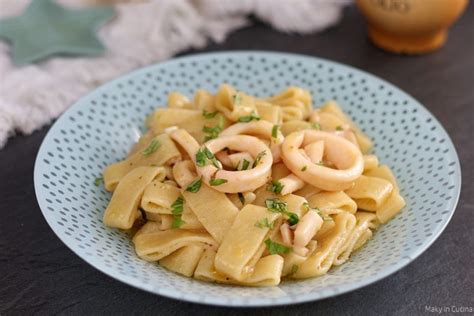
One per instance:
(258, 128)
(342, 153)
(243, 180)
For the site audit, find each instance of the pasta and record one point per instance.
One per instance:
(235, 189)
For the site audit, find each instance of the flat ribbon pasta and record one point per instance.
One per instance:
(370, 192)
(395, 202)
(364, 223)
(158, 197)
(184, 260)
(267, 271)
(234, 104)
(322, 259)
(122, 208)
(165, 153)
(333, 200)
(268, 112)
(295, 103)
(192, 120)
(204, 205)
(155, 245)
(243, 242)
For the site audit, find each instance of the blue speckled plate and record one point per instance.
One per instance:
(101, 127)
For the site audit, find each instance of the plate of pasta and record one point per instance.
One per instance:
(247, 178)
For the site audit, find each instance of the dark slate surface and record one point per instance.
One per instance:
(39, 275)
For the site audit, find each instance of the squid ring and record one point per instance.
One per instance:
(345, 156)
(229, 181)
(259, 128)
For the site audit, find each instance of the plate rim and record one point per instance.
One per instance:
(330, 291)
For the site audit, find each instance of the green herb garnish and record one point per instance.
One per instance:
(177, 206)
(245, 164)
(177, 222)
(213, 132)
(194, 186)
(304, 168)
(339, 128)
(248, 118)
(276, 248)
(204, 155)
(210, 156)
(98, 181)
(215, 182)
(152, 147)
(294, 269)
(241, 198)
(258, 158)
(209, 115)
(275, 187)
(320, 163)
(278, 206)
(275, 131)
(265, 223)
(200, 158)
(177, 211)
(317, 210)
(293, 218)
(316, 126)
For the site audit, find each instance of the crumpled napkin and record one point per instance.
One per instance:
(142, 33)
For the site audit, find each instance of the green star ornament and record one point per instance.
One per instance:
(46, 28)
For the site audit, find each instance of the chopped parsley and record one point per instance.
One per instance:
(241, 198)
(276, 248)
(209, 115)
(317, 210)
(245, 164)
(293, 218)
(213, 132)
(215, 182)
(204, 155)
(258, 158)
(304, 168)
(177, 222)
(98, 181)
(200, 158)
(177, 211)
(265, 223)
(278, 206)
(275, 187)
(248, 118)
(316, 126)
(152, 147)
(194, 186)
(339, 128)
(236, 99)
(177, 206)
(275, 131)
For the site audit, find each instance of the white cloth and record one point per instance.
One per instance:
(140, 34)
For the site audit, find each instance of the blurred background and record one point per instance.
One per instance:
(54, 52)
